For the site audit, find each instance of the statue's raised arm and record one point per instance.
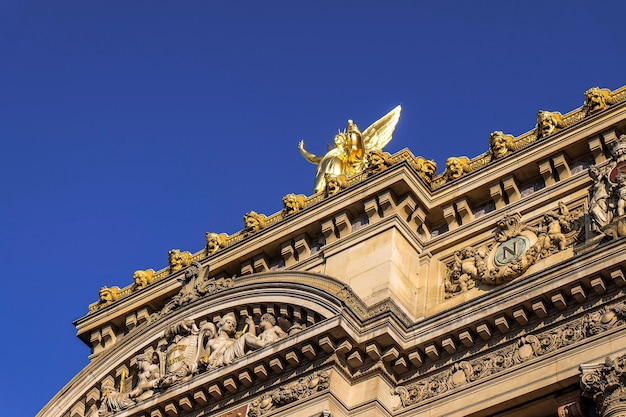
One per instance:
(348, 156)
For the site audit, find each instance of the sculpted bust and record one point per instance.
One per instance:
(292, 204)
(500, 145)
(596, 99)
(547, 123)
(253, 222)
(108, 295)
(456, 167)
(214, 242)
(178, 260)
(143, 278)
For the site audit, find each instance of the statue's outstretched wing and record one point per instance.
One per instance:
(379, 133)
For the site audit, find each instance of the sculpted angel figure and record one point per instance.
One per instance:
(348, 155)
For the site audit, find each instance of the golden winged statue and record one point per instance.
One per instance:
(349, 154)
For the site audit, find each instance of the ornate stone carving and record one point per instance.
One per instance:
(215, 242)
(520, 350)
(596, 99)
(500, 145)
(187, 350)
(108, 295)
(334, 184)
(607, 202)
(516, 247)
(112, 400)
(296, 390)
(193, 288)
(253, 223)
(292, 204)
(456, 167)
(548, 123)
(606, 385)
(469, 267)
(425, 168)
(142, 278)
(148, 375)
(177, 260)
(347, 157)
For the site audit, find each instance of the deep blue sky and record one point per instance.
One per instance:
(131, 128)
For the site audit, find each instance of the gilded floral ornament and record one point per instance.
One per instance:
(108, 295)
(548, 123)
(348, 156)
(500, 145)
(292, 204)
(215, 242)
(177, 260)
(456, 167)
(253, 223)
(142, 278)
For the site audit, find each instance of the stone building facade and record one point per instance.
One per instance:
(495, 288)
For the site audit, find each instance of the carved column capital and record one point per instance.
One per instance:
(605, 383)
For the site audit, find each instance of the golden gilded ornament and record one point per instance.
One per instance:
(500, 145)
(596, 99)
(456, 167)
(292, 204)
(548, 123)
(426, 168)
(215, 242)
(143, 278)
(108, 295)
(253, 222)
(348, 155)
(178, 260)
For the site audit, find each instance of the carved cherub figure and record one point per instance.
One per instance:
(108, 295)
(178, 260)
(148, 376)
(143, 278)
(347, 157)
(271, 332)
(547, 123)
(425, 168)
(552, 236)
(621, 193)
(596, 99)
(292, 204)
(469, 266)
(253, 222)
(500, 145)
(456, 167)
(334, 184)
(214, 242)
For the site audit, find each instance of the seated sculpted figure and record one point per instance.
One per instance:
(223, 348)
(271, 332)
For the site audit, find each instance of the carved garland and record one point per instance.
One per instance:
(521, 350)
